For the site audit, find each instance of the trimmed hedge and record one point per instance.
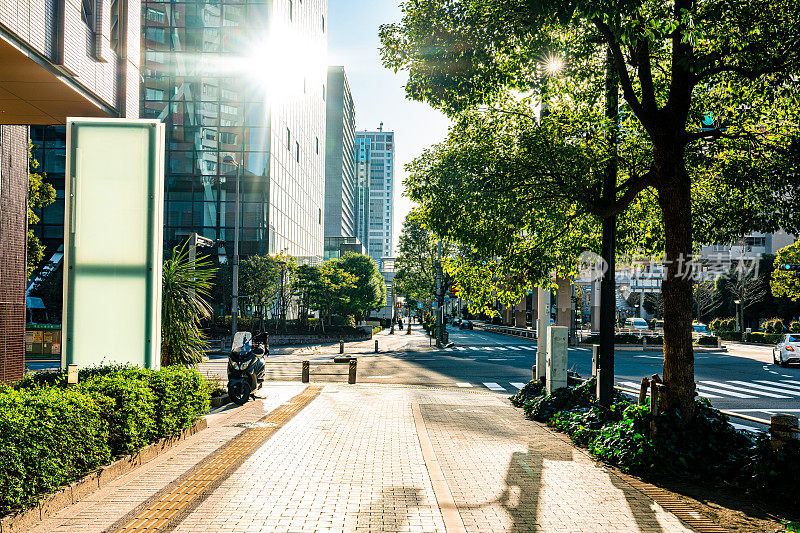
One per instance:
(52, 434)
(627, 338)
(755, 336)
(707, 340)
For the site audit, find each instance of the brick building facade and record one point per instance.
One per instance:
(58, 59)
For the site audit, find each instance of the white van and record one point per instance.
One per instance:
(636, 323)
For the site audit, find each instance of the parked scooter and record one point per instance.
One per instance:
(246, 365)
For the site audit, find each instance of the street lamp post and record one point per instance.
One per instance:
(738, 322)
(235, 296)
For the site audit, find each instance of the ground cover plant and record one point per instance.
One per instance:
(709, 447)
(52, 434)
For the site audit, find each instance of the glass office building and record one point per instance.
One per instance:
(340, 179)
(241, 87)
(375, 197)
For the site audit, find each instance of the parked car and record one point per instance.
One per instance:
(465, 324)
(787, 350)
(636, 323)
(699, 330)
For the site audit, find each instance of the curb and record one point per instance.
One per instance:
(217, 401)
(77, 490)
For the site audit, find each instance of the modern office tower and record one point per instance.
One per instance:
(57, 59)
(340, 179)
(374, 198)
(241, 87)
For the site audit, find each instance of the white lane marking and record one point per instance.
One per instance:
(785, 376)
(515, 348)
(493, 386)
(774, 388)
(497, 359)
(707, 395)
(461, 348)
(517, 385)
(724, 392)
(745, 428)
(743, 389)
(648, 357)
(464, 385)
(527, 347)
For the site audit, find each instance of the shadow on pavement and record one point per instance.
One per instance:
(390, 512)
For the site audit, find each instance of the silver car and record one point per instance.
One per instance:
(787, 350)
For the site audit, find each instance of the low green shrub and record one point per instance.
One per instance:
(52, 434)
(734, 336)
(708, 340)
(131, 420)
(794, 326)
(764, 338)
(709, 447)
(49, 437)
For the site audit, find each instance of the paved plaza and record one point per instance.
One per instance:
(371, 457)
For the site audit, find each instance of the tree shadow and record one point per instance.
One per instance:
(390, 512)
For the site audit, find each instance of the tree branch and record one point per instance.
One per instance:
(622, 70)
(634, 186)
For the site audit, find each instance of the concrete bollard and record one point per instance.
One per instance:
(305, 373)
(351, 375)
(341, 346)
(376, 346)
(781, 428)
(556, 373)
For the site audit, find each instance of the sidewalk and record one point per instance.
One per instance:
(374, 457)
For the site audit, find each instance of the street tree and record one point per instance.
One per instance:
(745, 285)
(708, 124)
(416, 262)
(368, 293)
(786, 283)
(706, 298)
(40, 194)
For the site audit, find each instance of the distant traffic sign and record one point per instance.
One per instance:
(419, 305)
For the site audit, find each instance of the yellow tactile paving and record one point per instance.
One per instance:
(158, 513)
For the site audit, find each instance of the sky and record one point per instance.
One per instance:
(378, 93)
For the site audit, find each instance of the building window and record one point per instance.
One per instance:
(291, 9)
(154, 15)
(288, 140)
(89, 18)
(317, 139)
(323, 23)
(297, 156)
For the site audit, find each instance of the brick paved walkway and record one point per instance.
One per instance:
(357, 459)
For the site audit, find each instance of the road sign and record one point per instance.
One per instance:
(419, 305)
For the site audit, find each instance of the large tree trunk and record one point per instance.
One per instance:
(675, 200)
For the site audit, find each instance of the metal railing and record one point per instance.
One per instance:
(505, 330)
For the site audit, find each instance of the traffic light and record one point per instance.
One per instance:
(788, 267)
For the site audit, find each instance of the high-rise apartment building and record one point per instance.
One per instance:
(241, 87)
(375, 198)
(57, 59)
(340, 179)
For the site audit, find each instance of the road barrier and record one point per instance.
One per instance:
(506, 330)
(305, 374)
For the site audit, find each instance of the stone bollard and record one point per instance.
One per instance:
(305, 374)
(556, 370)
(782, 428)
(341, 346)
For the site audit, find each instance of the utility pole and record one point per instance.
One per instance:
(235, 295)
(439, 295)
(605, 370)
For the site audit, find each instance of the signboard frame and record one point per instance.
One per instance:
(108, 340)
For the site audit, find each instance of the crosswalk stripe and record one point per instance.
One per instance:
(724, 392)
(464, 385)
(789, 383)
(527, 347)
(765, 387)
(707, 395)
(517, 385)
(460, 348)
(742, 389)
(513, 348)
(493, 386)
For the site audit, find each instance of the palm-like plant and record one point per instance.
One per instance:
(186, 283)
